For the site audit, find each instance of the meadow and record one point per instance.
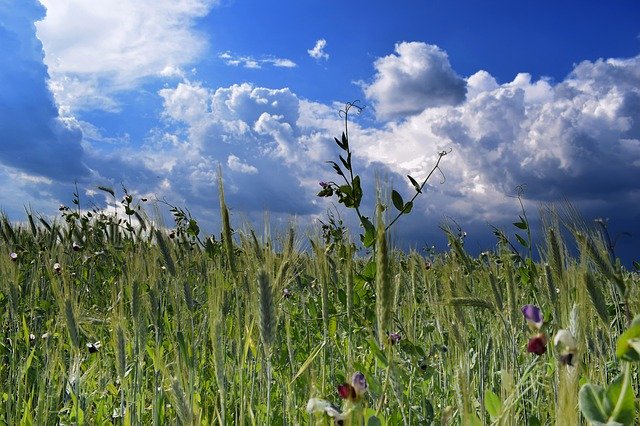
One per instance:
(110, 319)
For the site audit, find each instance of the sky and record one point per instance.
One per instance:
(154, 95)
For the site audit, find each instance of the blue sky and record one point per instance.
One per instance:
(154, 94)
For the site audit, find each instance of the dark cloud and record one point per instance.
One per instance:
(34, 138)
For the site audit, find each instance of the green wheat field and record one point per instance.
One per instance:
(114, 319)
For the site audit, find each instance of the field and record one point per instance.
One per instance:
(109, 319)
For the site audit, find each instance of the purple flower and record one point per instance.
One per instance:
(324, 185)
(537, 344)
(13, 256)
(394, 338)
(359, 383)
(354, 390)
(533, 315)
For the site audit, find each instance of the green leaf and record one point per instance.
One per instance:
(107, 189)
(340, 144)
(591, 402)
(627, 345)
(193, 228)
(398, 202)
(336, 167)
(377, 352)
(345, 163)
(369, 232)
(369, 271)
(620, 401)
(407, 207)
(357, 191)
(345, 141)
(521, 225)
(415, 184)
(493, 404)
(522, 241)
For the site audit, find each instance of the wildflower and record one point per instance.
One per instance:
(327, 190)
(94, 347)
(394, 338)
(75, 246)
(57, 268)
(286, 293)
(537, 344)
(13, 256)
(346, 391)
(565, 345)
(317, 405)
(359, 383)
(354, 390)
(32, 337)
(533, 315)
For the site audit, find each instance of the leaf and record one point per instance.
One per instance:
(627, 346)
(107, 189)
(521, 225)
(522, 241)
(591, 403)
(345, 163)
(369, 271)
(636, 265)
(345, 141)
(615, 395)
(336, 167)
(308, 362)
(340, 143)
(407, 207)
(493, 404)
(377, 352)
(357, 191)
(398, 202)
(415, 184)
(369, 232)
(193, 228)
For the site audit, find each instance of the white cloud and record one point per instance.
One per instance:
(237, 165)
(95, 49)
(255, 63)
(318, 50)
(418, 76)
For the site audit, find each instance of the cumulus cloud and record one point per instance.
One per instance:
(237, 165)
(318, 50)
(418, 76)
(36, 140)
(251, 62)
(97, 49)
(577, 139)
(256, 131)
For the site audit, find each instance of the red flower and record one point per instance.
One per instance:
(346, 391)
(537, 344)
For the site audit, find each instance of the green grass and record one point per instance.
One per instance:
(203, 332)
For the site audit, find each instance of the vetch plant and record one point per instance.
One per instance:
(565, 345)
(350, 193)
(615, 404)
(538, 343)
